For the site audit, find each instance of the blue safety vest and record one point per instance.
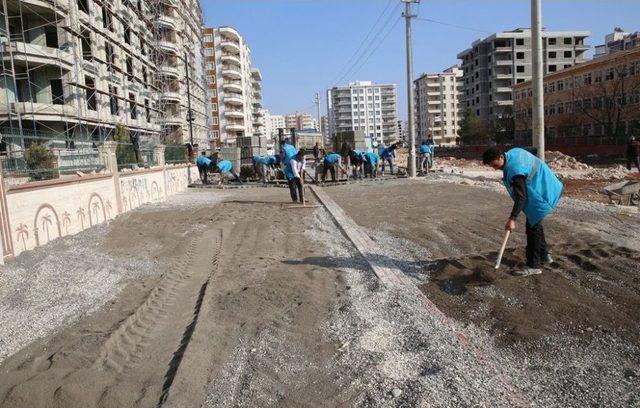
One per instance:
(371, 158)
(268, 160)
(203, 161)
(225, 166)
(424, 149)
(332, 158)
(388, 153)
(289, 152)
(543, 187)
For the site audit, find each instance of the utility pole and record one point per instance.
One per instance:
(411, 165)
(317, 102)
(536, 80)
(189, 111)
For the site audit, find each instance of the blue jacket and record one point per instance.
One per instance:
(358, 153)
(225, 166)
(256, 160)
(543, 187)
(332, 158)
(269, 160)
(371, 158)
(381, 148)
(203, 161)
(425, 149)
(289, 151)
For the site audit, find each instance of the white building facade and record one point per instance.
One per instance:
(438, 106)
(364, 106)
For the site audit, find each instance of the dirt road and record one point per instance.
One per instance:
(228, 323)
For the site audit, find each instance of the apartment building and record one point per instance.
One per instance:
(491, 66)
(78, 69)
(300, 121)
(324, 128)
(366, 106)
(618, 40)
(594, 103)
(235, 87)
(273, 123)
(438, 108)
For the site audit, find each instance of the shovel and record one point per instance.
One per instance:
(504, 245)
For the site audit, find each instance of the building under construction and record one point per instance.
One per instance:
(79, 70)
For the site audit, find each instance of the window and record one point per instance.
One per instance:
(143, 46)
(208, 52)
(208, 38)
(57, 92)
(133, 109)
(91, 93)
(520, 68)
(609, 75)
(147, 110)
(113, 100)
(85, 42)
(127, 35)
(568, 41)
(568, 54)
(216, 134)
(551, 41)
(51, 37)
(210, 66)
(519, 55)
(83, 6)
(107, 19)
(553, 68)
(560, 86)
(519, 80)
(586, 79)
(519, 41)
(552, 54)
(110, 57)
(130, 67)
(214, 107)
(214, 120)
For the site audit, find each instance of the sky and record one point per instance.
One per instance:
(306, 46)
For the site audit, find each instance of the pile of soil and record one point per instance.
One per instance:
(588, 290)
(452, 161)
(560, 161)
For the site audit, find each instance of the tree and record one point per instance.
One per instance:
(41, 162)
(474, 130)
(125, 154)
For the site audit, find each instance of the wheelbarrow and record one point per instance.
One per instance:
(624, 192)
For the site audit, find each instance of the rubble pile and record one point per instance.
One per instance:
(560, 161)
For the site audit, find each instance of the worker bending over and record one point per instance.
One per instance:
(223, 167)
(332, 163)
(388, 155)
(259, 168)
(371, 165)
(298, 166)
(356, 157)
(535, 190)
(204, 166)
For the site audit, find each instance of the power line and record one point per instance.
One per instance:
(430, 20)
(364, 40)
(370, 45)
(377, 46)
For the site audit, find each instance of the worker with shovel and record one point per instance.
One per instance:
(535, 190)
(296, 184)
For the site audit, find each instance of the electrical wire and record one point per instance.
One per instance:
(430, 20)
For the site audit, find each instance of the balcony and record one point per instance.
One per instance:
(230, 58)
(39, 55)
(257, 104)
(508, 102)
(233, 86)
(169, 71)
(43, 111)
(167, 22)
(235, 127)
(256, 74)
(257, 94)
(231, 72)
(231, 47)
(433, 93)
(505, 62)
(171, 119)
(258, 113)
(502, 76)
(256, 85)
(231, 113)
(230, 33)
(168, 46)
(234, 100)
(171, 96)
(505, 89)
(502, 49)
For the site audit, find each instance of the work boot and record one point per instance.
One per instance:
(528, 272)
(548, 260)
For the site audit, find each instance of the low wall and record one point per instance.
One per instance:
(36, 213)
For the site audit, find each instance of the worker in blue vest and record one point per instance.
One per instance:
(356, 157)
(204, 166)
(371, 164)
(432, 151)
(223, 167)
(271, 164)
(424, 157)
(287, 152)
(535, 190)
(388, 155)
(332, 163)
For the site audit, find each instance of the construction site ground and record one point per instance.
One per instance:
(221, 298)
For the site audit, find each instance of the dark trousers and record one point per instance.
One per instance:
(295, 188)
(384, 162)
(634, 160)
(328, 167)
(536, 245)
(203, 170)
(370, 170)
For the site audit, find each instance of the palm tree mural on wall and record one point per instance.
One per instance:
(22, 235)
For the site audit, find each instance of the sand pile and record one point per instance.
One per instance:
(452, 161)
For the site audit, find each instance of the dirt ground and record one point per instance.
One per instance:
(228, 325)
(245, 301)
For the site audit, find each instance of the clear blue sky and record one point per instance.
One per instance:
(302, 45)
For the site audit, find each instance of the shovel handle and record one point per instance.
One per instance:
(504, 245)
